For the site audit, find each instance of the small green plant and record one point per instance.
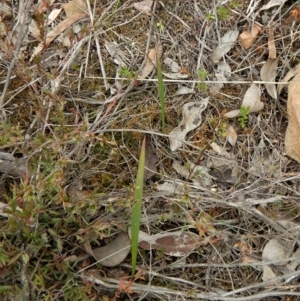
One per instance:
(222, 13)
(202, 75)
(210, 16)
(244, 118)
(160, 26)
(126, 73)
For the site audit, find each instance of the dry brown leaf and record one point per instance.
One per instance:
(178, 244)
(231, 135)
(268, 74)
(247, 38)
(292, 141)
(113, 253)
(61, 27)
(153, 57)
(271, 44)
(144, 6)
(287, 77)
(75, 7)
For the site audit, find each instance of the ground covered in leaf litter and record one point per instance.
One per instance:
(79, 92)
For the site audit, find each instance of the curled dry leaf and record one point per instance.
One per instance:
(277, 250)
(247, 38)
(226, 43)
(172, 64)
(178, 244)
(271, 44)
(144, 6)
(183, 91)
(273, 3)
(268, 70)
(112, 254)
(153, 56)
(268, 74)
(292, 145)
(191, 119)
(231, 134)
(116, 54)
(222, 75)
(251, 99)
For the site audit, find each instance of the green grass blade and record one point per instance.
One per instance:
(161, 91)
(137, 207)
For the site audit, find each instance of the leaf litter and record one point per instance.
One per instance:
(222, 188)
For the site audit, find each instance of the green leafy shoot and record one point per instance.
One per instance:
(126, 73)
(244, 118)
(137, 207)
(202, 75)
(210, 17)
(222, 13)
(161, 91)
(160, 26)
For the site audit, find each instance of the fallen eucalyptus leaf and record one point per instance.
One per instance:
(178, 243)
(191, 119)
(222, 75)
(293, 72)
(183, 91)
(268, 74)
(231, 135)
(226, 43)
(112, 254)
(268, 273)
(172, 64)
(251, 99)
(292, 145)
(273, 3)
(276, 250)
(153, 56)
(116, 54)
(247, 38)
(144, 6)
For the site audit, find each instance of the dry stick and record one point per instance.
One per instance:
(23, 31)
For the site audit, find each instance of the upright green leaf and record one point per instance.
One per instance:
(137, 207)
